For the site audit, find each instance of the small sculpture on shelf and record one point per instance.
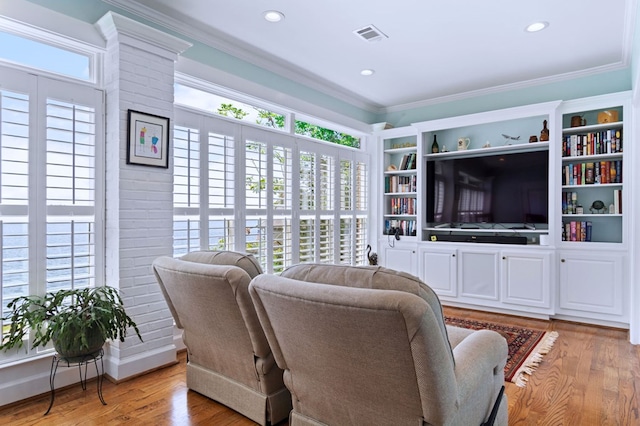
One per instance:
(372, 257)
(508, 139)
(598, 206)
(544, 134)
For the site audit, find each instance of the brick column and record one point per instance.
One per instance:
(139, 75)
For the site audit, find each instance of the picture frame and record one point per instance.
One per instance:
(147, 139)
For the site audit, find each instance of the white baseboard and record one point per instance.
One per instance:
(31, 378)
(120, 369)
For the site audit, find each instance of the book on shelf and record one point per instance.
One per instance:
(400, 205)
(577, 231)
(406, 227)
(592, 143)
(590, 173)
(394, 184)
(617, 201)
(569, 202)
(408, 162)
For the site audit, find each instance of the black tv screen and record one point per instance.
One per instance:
(501, 189)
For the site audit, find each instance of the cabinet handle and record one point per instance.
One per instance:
(453, 255)
(562, 260)
(504, 257)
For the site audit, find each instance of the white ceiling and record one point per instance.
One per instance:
(434, 49)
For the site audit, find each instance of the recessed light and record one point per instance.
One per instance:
(367, 72)
(273, 16)
(537, 26)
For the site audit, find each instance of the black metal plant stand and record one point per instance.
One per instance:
(80, 362)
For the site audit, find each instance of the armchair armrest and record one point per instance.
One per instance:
(479, 366)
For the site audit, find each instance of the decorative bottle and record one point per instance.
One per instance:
(544, 134)
(434, 146)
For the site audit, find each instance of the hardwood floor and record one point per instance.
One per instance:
(590, 377)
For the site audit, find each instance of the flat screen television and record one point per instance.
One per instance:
(498, 190)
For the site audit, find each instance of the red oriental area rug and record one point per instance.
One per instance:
(526, 346)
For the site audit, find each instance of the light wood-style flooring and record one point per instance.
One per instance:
(590, 377)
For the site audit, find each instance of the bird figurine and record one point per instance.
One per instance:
(508, 139)
(373, 257)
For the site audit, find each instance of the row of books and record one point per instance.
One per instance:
(402, 205)
(408, 162)
(591, 173)
(605, 142)
(406, 227)
(576, 231)
(570, 203)
(400, 184)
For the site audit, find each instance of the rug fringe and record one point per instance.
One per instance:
(521, 376)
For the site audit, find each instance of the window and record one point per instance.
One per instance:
(226, 107)
(44, 56)
(49, 139)
(284, 199)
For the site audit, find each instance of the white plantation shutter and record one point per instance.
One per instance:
(221, 191)
(14, 193)
(51, 187)
(361, 203)
(268, 191)
(70, 163)
(186, 190)
(346, 234)
(14, 148)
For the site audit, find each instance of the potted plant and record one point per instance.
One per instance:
(78, 321)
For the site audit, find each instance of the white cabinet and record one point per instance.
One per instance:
(478, 275)
(489, 276)
(526, 279)
(591, 285)
(401, 257)
(438, 268)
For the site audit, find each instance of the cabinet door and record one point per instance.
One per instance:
(478, 274)
(592, 283)
(401, 258)
(438, 270)
(526, 278)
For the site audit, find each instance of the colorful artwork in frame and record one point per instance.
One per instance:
(147, 139)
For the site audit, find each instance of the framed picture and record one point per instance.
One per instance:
(147, 139)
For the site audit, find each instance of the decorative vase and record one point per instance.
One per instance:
(544, 134)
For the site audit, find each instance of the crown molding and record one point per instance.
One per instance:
(505, 88)
(112, 25)
(246, 53)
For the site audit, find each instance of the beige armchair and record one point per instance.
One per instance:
(373, 349)
(229, 359)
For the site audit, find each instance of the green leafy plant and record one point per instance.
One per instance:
(77, 320)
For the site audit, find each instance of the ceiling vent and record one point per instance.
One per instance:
(370, 33)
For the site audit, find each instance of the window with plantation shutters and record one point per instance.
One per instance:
(51, 188)
(283, 199)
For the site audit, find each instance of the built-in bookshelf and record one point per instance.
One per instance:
(400, 185)
(592, 176)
